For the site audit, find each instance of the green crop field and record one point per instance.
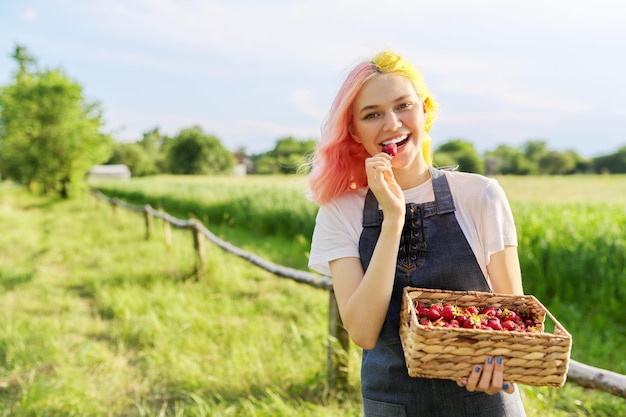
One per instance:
(97, 321)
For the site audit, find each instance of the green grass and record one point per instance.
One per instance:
(130, 333)
(271, 207)
(550, 190)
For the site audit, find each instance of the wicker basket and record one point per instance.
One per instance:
(536, 358)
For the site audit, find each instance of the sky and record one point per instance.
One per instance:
(252, 72)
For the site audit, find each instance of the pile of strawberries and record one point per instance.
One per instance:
(436, 313)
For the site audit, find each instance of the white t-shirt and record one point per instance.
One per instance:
(482, 210)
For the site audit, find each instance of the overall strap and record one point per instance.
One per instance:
(443, 196)
(371, 215)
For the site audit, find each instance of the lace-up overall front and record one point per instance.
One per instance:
(434, 253)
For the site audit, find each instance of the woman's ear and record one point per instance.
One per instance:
(355, 137)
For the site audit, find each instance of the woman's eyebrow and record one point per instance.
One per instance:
(369, 107)
(375, 106)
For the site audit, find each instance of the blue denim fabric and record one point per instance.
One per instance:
(434, 253)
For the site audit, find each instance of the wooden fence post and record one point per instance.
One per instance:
(149, 221)
(198, 245)
(167, 232)
(114, 205)
(338, 348)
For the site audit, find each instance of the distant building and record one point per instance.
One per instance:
(244, 165)
(109, 172)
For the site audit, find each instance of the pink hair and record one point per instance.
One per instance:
(338, 164)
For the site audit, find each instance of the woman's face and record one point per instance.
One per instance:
(388, 110)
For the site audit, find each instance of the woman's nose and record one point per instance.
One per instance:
(391, 122)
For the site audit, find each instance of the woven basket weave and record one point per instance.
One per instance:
(537, 358)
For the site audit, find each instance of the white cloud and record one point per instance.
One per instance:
(501, 118)
(303, 99)
(30, 15)
(241, 128)
(522, 65)
(524, 96)
(618, 112)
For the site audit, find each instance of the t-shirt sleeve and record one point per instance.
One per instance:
(498, 224)
(333, 238)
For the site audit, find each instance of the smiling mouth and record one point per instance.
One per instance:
(399, 141)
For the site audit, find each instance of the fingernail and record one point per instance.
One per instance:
(477, 369)
(505, 385)
(499, 360)
(490, 360)
(463, 382)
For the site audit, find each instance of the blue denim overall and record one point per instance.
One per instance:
(434, 253)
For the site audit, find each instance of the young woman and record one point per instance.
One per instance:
(388, 219)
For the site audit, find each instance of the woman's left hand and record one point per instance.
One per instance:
(488, 378)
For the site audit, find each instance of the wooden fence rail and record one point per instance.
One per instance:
(339, 342)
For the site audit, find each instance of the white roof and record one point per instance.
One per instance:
(109, 169)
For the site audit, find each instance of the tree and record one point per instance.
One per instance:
(535, 149)
(288, 156)
(192, 152)
(557, 163)
(507, 160)
(49, 135)
(156, 146)
(443, 159)
(148, 156)
(582, 165)
(613, 163)
(462, 153)
(133, 156)
(25, 61)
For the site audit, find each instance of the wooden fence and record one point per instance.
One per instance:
(339, 342)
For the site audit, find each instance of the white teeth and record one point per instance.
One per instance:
(396, 140)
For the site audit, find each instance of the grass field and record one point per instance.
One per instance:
(96, 321)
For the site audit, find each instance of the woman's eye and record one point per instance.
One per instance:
(370, 116)
(403, 106)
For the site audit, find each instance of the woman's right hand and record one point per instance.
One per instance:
(381, 181)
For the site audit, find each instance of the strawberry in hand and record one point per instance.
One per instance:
(390, 149)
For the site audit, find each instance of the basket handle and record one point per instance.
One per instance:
(558, 327)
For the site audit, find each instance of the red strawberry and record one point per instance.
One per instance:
(495, 324)
(524, 312)
(423, 312)
(491, 311)
(449, 312)
(391, 149)
(471, 311)
(462, 318)
(474, 321)
(467, 324)
(510, 325)
(434, 313)
(425, 322)
(509, 315)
